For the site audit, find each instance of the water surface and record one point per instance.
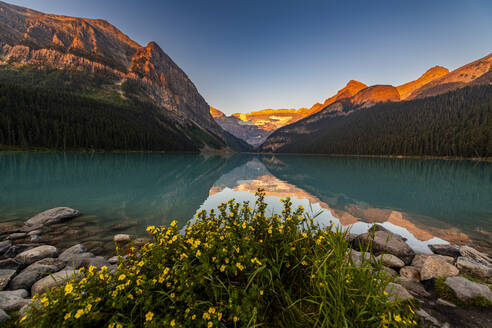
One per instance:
(426, 201)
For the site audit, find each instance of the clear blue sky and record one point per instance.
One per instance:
(250, 55)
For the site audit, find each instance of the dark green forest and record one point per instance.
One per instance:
(457, 124)
(49, 118)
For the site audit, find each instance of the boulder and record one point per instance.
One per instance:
(27, 277)
(139, 242)
(440, 301)
(419, 259)
(390, 260)
(121, 238)
(427, 320)
(14, 250)
(34, 238)
(55, 280)
(357, 257)
(397, 292)
(446, 250)
(13, 299)
(69, 253)
(474, 269)
(113, 260)
(17, 235)
(26, 228)
(4, 245)
(436, 267)
(10, 264)
(51, 216)
(36, 254)
(34, 232)
(410, 272)
(3, 316)
(80, 260)
(389, 271)
(387, 242)
(466, 289)
(475, 255)
(414, 287)
(5, 276)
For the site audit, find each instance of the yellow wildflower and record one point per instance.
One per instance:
(235, 319)
(149, 316)
(67, 316)
(397, 318)
(121, 277)
(68, 288)
(173, 323)
(23, 318)
(210, 324)
(79, 313)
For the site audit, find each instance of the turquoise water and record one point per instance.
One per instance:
(427, 201)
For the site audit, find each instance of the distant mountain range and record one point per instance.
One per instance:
(282, 130)
(92, 58)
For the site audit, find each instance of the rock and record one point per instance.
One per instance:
(26, 228)
(36, 254)
(113, 260)
(414, 287)
(386, 242)
(10, 264)
(55, 280)
(476, 256)
(474, 269)
(80, 260)
(427, 320)
(13, 299)
(18, 235)
(397, 292)
(390, 260)
(5, 276)
(4, 245)
(34, 232)
(123, 225)
(121, 238)
(357, 257)
(389, 272)
(436, 267)
(139, 242)
(27, 277)
(69, 253)
(34, 238)
(53, 215)
(410, 272)
(3, 316)
(98, 262)
(466, 289)
(14, 250)
(446, 250)
(419, 259)
(350, 237)
(440, 301)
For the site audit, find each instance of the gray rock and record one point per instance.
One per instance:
(17, 235)
(34, 232)
(121, 238)
(3, 316)
(359, 257)
(410, 272)
(34, 238)
(14, 250)
(10, 264)
(350, 237)
(466, 289)
(27, 228)
(414, 287)
(386, 242)
(397, 292)
(5, 276)
(390, 260)
(113, 260)
(389, 271)
(4, 245)
(55, 280)
(475, 255)
(13, 299)
(427, 320)
(53, 215)
(440, 301)
(446, 250)
(98, 262)
(80, 260)
(36, 271)
(36, 254)
(474, 269)
(419, 259)
(71, 252)
(436, 267)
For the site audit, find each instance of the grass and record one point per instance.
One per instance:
(234, 267)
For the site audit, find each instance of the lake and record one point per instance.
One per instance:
(426, 201)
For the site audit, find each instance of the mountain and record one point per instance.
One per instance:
(256, 126)
(456, 124)
(405, 90)
(93, 58)
(475, 73)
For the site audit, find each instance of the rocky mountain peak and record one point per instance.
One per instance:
(375, 94)
(405, 90)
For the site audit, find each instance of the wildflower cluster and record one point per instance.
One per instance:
(232, 268)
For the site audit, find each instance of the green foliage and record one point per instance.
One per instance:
(232, 268)
(457, 124)
(48, 118)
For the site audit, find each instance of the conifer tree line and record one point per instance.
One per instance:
(458, 124)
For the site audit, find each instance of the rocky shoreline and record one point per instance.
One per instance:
(30, 264)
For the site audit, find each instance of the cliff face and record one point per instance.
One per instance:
(405, 90)
(29, 37)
